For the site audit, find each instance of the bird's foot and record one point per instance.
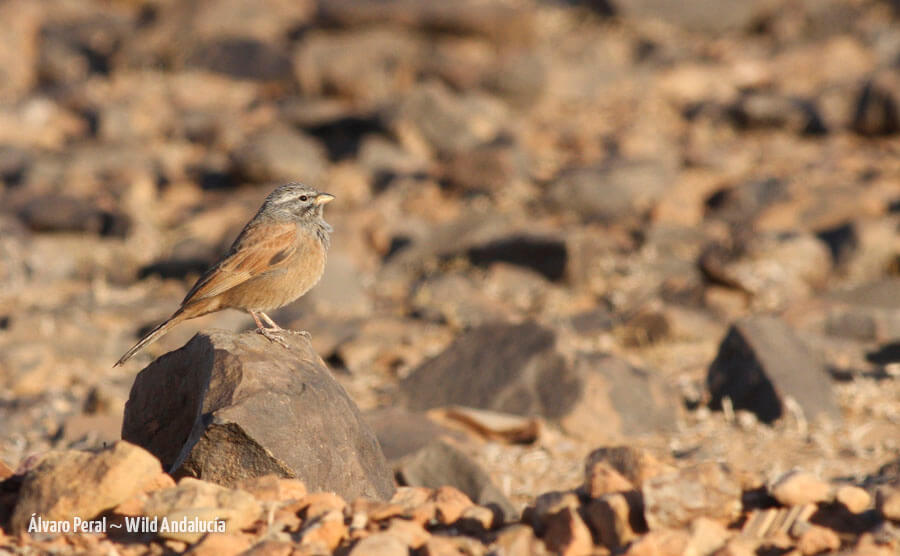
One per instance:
(303, 333)
(273, 335)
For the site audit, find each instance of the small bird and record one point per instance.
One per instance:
(278, 256)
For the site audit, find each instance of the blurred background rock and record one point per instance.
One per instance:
(568, 204)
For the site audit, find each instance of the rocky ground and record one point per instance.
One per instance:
(606, 276)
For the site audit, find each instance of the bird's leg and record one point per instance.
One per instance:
(275, 326)
(270, 333)
(270, 322)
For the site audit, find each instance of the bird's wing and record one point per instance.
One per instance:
(258, 249)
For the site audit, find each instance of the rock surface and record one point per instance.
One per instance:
(228, 407)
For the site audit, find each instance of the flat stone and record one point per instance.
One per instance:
(761, 362)
(796, 488)
(228, 407)
(855, 499)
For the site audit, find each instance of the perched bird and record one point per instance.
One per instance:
(278, 256)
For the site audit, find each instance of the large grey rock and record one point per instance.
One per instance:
(226, 407)
(506, 367)
(761, 362)
(516, 368)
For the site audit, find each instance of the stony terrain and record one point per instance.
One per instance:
(607, 276)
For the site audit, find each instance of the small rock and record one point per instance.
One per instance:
(660, 543)
(518, 540)
(759, 109)
(368, 65)
(547, 504)
(616, 519)
(221, 544)
(58, 213)
(877, 107)
(855, 499)
(234, 429)
(445, 121)
(482, 518)
(545, 255)
(55, 489)
(20, 42)
(601, 478)
(490, 168)
(439, 464)
(495, 425)
(520, 77)
(325, 530)
(775, 269)
(193, 498)
(634, 464)
(887, 501)
(272, 488)
(739, 546)
(450, 504)
(796, 488)
(674, 500)
(566, 534)
(411, 533)
(707, 536)
(242, 58)
(281, 154)
(379, 544)
(707, 16)
(494, 20)
(760, 363)
(454, 299)
(868, 312)
(317, 504)
(615, 192)
(816, 540)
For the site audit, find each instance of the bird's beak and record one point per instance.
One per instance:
(324, 198)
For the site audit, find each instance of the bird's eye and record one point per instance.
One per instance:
(304, 198)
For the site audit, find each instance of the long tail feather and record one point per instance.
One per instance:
(152, 336)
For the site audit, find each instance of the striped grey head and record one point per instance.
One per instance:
(295, 201)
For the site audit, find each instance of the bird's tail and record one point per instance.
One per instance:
(153, 335)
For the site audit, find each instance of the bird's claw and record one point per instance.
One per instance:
(273, 336)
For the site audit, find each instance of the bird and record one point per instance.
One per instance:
(278, 256)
